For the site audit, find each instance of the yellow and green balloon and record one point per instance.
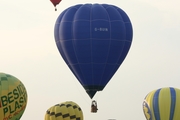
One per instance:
(13, 97)
(162, 104)
(68, 110)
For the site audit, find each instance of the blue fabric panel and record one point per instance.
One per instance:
(173, 102)
(156, 104)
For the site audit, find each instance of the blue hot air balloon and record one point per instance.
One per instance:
(93, 40)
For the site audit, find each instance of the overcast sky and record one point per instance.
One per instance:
(28, 52)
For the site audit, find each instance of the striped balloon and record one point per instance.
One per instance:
(64, 111)
(162, 104)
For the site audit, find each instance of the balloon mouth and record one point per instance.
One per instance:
(91, 93)
(55, 4)
(92, 89)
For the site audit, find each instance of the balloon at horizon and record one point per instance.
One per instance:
(13, 97)
(93, 40)
(68, 110)
(162, 104)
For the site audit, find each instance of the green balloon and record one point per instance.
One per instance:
(13, 97)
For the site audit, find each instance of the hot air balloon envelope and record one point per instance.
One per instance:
(93, 40)
(55, 2)
(13, 97)
(64, 111)
(162, 104)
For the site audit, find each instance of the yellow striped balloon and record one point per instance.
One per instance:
(64, 111)
(162, 104)
(13, 97)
